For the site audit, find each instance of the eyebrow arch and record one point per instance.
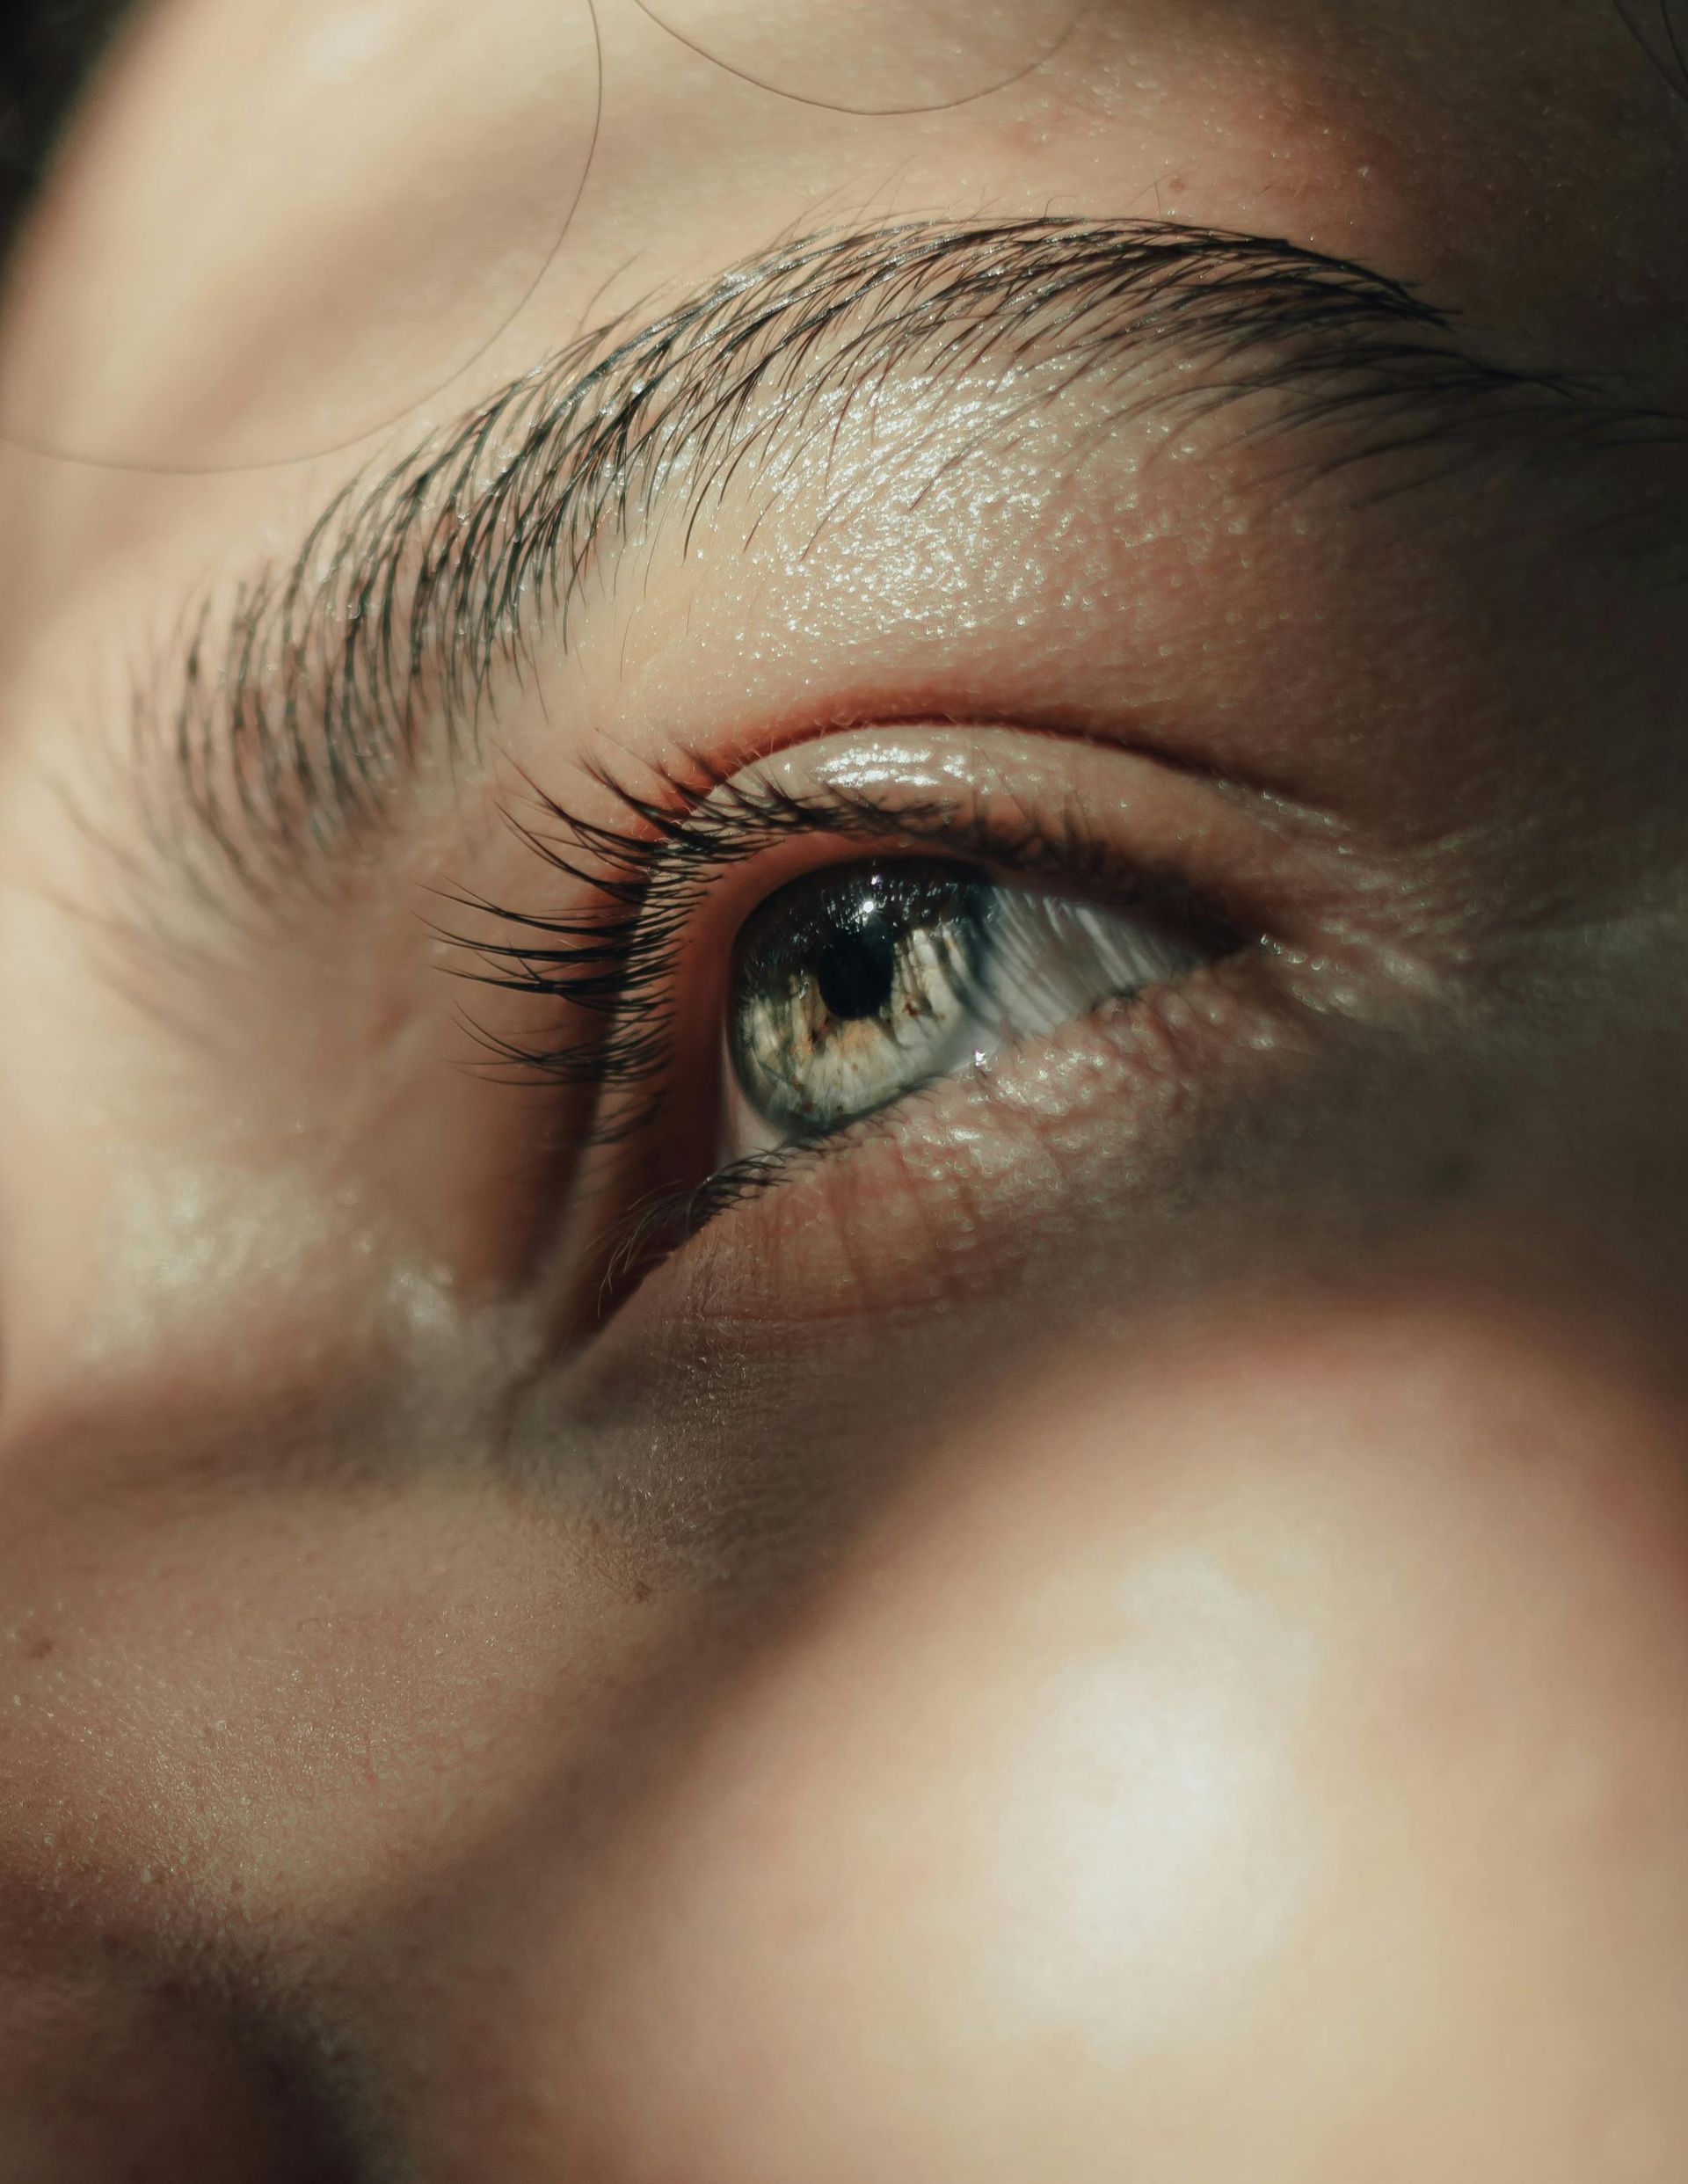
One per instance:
(286, 720)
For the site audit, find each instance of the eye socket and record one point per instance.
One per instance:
(855, 986)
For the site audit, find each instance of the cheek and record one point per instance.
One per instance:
(1280, 1751)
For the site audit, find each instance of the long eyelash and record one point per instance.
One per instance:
(644, 875)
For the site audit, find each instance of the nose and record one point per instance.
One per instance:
(1265, 1763)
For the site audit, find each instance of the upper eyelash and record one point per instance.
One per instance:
(646, 876)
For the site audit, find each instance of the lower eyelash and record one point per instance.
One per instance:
(670, 1219)
(667, 1219)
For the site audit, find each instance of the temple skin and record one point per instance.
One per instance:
(1132, 1623)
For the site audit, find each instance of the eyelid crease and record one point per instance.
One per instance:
(287, 721)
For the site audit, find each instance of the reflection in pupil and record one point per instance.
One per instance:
(856, 973)
(851, 986)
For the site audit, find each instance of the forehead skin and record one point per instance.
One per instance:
(1296, 1800)
(1451, 146)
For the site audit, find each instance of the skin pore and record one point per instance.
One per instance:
(1126, 1616)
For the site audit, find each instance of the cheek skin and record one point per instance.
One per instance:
(260, 1717)
(1269, 1764)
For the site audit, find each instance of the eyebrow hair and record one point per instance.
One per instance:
(290, 714)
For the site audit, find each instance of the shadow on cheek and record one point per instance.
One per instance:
(109, 2076)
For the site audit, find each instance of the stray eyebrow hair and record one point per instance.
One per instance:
(1660, 28)
(289, 716)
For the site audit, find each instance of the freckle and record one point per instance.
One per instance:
(38, 1648)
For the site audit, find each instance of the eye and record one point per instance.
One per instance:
(855, 986)
(743, 964)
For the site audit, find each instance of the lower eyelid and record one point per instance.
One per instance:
(896, 1206)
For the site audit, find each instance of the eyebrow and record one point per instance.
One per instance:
(284, 721)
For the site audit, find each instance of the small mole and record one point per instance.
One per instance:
(38, 1648)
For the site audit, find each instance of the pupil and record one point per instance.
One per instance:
(857, 971)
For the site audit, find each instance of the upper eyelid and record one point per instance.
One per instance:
(672, 849)
(613, 955)
(649, 875)
(289, 722)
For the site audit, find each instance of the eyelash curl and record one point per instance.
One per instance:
(646, 874)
